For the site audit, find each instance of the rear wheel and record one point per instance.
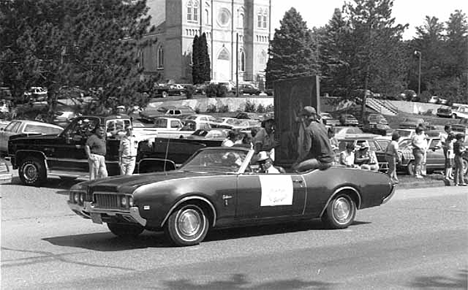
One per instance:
(340, 212)
(32, 171)
(165, 94)
(187, 226)
(125, 230)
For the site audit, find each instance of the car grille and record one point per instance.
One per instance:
(108, 201)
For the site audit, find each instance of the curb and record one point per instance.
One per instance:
(5, 173)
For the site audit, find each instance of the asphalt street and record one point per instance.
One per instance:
(419, 240)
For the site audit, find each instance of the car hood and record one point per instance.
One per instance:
(129, 183)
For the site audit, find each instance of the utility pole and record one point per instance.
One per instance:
(418, 53)
(237, 64)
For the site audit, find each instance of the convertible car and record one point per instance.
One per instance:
(223, 187)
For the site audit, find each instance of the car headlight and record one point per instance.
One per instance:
(76, 197)
(82, 197)
(123, 201)
(130, 201)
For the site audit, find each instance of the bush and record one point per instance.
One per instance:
(270, 108)
(261, 109)
(249, 107)
(223, 109)
(211, 109)
(189, 91)
(216, 90)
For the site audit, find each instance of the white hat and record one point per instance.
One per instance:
(262, 156)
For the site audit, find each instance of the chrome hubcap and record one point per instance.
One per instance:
(341, 209)
(189, 222)
(30, 172)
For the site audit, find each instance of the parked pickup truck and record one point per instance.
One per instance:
(63, 155)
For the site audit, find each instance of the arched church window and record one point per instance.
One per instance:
(242, 61)
(160, 57)
(264, 18)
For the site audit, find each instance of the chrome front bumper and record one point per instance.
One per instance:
(88, 211)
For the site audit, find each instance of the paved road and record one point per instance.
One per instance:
(418, 240)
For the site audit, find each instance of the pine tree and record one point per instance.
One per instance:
(93, 44)
(205, 73)
(196, 69)
(292, 50)
(374, 48)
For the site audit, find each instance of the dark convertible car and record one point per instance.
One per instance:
(222, 187)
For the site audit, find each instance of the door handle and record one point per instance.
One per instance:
(297, 181)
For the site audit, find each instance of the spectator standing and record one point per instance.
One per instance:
(96, 151)
(316, 151)
(445, 146)
(392, 157)
(419, 150)
(449, 155)
(366, 158)
(264, 140)
(128, 150)
(459, 149)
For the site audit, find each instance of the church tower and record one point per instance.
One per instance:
(238, 33)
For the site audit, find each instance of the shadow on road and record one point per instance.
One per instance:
(53, 183)
(107, 242)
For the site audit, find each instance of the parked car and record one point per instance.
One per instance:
(457, 111)
(201, 121)
(379, 129)
(36, 94)
(412, 123)
(25, 128)
(343, 131)
(348, 120)
(329, 120)
(246, 89)
(433, 100)
(149, 113)
(435, 160)
(221, 187)
(378, 145)
(377, 119)
(210, 134)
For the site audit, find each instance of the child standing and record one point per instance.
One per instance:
(459, 149)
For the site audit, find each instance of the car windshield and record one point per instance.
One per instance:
(228, 160)
(404, 133)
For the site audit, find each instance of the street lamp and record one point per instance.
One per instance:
(419, 54)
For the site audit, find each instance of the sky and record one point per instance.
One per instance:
(318, 13)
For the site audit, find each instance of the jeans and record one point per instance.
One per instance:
(418, 160)
(458, 174)
(392, 173)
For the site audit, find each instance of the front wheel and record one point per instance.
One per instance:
(187, 226)
(32, 171)
(125, 230)
(165, 94)
(340, 212)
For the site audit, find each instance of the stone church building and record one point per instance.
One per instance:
(230, 26)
